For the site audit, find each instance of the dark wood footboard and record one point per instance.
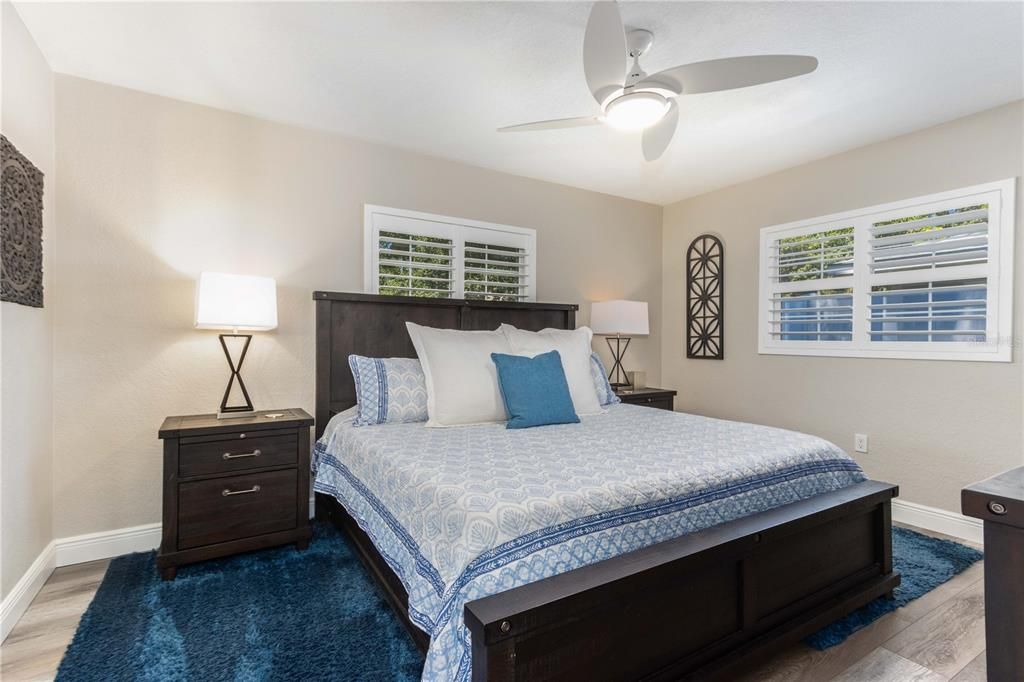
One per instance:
(696, 606)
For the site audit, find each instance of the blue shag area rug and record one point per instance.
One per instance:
(923, 561)
(278, 614)
(281, 614)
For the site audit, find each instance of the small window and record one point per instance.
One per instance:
(417, 254)
(928, 277)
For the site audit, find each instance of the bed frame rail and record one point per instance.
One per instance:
(696, 606)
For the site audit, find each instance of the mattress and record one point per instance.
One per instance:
(462, 513)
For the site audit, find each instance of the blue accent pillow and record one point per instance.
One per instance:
(605, 394)
(389, 390)
(535, 390)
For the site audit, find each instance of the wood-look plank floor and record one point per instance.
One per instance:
(939, 636)
(33, 649)
(936, 638)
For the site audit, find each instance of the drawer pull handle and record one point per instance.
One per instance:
(226, 492)
(254, 453)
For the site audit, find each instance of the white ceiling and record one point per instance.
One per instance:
(438, 78)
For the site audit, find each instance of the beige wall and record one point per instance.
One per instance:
(155, 190)
(933, 426)
(26, 334)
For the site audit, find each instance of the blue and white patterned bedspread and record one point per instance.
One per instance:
(462, 513)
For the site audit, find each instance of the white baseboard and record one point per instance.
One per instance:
(16, 603)
(111, 543)
(938, 520)
(107, 544)
(73, 550)
(76, 550)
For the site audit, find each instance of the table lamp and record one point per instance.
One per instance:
(619, 320)
(238, 303)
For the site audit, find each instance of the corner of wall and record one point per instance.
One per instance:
(26, 340)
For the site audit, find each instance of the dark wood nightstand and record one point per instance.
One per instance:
(233, 485)
(661, 398)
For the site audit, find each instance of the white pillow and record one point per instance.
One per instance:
(574, 347)
(461, 379)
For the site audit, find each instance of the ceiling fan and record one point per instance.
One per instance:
(632, 100)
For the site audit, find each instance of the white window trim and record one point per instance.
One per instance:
(998, 346)
(408, 218)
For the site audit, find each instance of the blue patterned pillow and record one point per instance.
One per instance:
(389, 390)
(605, 394)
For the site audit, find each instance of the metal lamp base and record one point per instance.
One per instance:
(617, 377)
(233, 411)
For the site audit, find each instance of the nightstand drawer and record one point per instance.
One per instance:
(658, 398)
(234, 507)
(659, 403)
(226, 456)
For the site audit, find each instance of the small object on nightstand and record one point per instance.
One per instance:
(233, 486)
(637, 379)
(660, 398)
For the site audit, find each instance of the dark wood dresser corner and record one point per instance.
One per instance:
(659, 398)
(233, 485)
(999, 503)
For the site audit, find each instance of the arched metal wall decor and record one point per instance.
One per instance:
(705, 302)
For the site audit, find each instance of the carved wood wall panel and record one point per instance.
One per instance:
(21, 228)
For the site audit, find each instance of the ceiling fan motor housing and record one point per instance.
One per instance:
(639, 41)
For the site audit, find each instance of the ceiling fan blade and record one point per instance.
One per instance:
(604, 51)
(730, 73)
(553, 124)
(657, 138)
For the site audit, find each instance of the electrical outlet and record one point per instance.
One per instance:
(860, 442)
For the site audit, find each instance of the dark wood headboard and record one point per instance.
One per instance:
(371, 325)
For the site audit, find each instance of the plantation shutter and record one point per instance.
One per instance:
(495, 271)
(410, 254)
(414, 264)
(929, 276)
(810, 279)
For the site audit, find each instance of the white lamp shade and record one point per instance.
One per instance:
(236, 302)
(623, 318)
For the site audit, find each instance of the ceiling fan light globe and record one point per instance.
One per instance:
(636, 110)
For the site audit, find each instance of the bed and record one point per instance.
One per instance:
(638, 544)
